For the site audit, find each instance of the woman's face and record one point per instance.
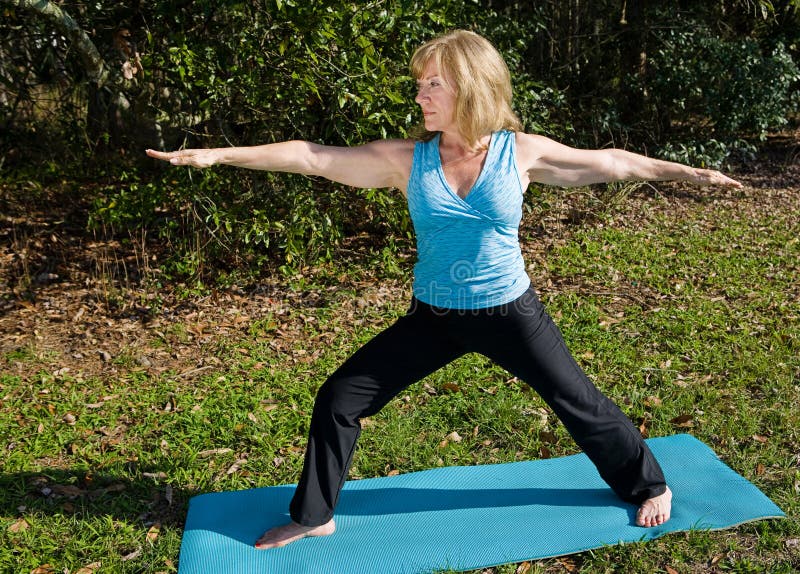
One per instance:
(436, 98)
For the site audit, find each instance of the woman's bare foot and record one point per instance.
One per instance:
(288, 533)
(655, 511)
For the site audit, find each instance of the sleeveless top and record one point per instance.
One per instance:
(468, 253)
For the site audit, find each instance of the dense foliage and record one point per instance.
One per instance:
(687, 80)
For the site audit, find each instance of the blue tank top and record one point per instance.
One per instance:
(468, 253)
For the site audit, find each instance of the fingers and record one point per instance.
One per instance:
(158, 154)
(714, 177)
(174, 157)
(192, 157)
(728, 182)
(718, 178)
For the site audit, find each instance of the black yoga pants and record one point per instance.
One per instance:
(519, 336)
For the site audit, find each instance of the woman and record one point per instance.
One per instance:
(464, 181)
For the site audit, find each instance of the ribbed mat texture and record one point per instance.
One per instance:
(464, 518)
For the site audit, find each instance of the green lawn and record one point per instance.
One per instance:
(684, 311)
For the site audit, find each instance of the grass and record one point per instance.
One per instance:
(690, 323)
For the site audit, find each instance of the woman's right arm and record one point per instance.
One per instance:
(383, 163)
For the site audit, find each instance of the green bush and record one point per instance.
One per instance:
(327, 72)
(710, 92)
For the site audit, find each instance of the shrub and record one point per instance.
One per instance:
(709, 92)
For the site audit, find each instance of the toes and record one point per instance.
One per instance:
(649, 517)
(262, 543)
(644, 518)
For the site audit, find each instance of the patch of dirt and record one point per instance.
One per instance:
(73, 301)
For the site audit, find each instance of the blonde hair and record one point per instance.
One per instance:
(475, 70)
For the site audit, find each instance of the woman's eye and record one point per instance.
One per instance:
(431, 84)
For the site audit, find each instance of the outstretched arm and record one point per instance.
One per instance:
(549, 162)
(385, 163)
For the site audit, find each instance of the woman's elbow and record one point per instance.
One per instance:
(308, 158)
(617, 166)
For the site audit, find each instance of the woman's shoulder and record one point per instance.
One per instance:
(393, 150)
(398, 154)
(393, 145)
(531, 140)
(531, 146)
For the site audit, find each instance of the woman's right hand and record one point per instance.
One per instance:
(193, 157)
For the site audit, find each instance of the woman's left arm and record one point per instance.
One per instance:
(549, 162)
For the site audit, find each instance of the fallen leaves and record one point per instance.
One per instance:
(213, 451)
(652, 401)
(683, 421)
(68, 490)
(269, 406)
(101, 403)
(72, 491)
(19, 525)
(116, 487)
(451, 387)
(568, 564)
(454, 437)
(235, 467)
(153, 532)
(548, 436)
(717, 558)
(451, 437)
(644, 427)
(156, 475)
(132, 555)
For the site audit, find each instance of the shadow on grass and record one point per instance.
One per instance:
(83, 494)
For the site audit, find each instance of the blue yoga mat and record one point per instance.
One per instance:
(464, 518)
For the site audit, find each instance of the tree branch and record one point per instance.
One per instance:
(92, 60)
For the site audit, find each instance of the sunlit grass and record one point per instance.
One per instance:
(691, 319)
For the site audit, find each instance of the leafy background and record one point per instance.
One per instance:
(692, 81)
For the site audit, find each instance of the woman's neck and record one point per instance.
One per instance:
(455, 143)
